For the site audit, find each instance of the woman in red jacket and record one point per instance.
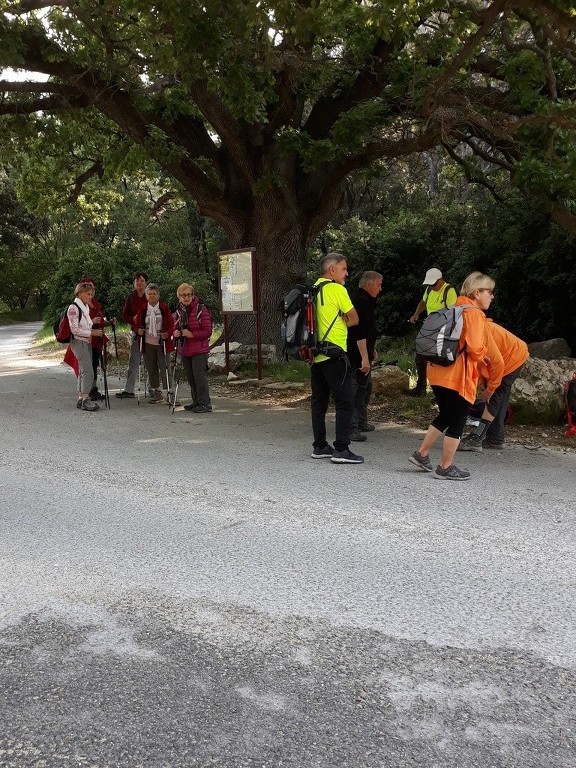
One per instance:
(455, 386)
(192, 329)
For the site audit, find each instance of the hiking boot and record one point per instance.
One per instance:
(451, 473)
(421, 461)
(367, 428)
(88, 405)
(322, 453)
(202, 409)
(358, 437)
(190, 406)
(346, 457)
(471, 442)
(490, 444)
(95, 395)
(158, 398)
(125, 394)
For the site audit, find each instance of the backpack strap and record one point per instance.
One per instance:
(444, 295)
(319, 288)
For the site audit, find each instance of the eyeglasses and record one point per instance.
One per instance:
(186, 295)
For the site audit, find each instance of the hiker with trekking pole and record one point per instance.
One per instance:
(154, 327)
(99, 322)
(134, 303)
(193, 329)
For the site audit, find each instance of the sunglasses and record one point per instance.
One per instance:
(186, 295)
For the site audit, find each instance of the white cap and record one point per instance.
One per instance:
(432, 276)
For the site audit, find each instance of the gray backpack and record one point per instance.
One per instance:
(438, 340)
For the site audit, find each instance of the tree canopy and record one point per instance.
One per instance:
(260, 110)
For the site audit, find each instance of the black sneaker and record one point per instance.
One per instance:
(190, 406)
(451, 473)
(95, 395)
(358, 437)
(125, 394)
(322, 453)
(346, 457)
(421, 461)
(202, 409)
(471, 442)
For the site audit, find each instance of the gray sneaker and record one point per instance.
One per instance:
(451, 473)
(89, 405)
(346, 457)
(471, 442)
(421, 461)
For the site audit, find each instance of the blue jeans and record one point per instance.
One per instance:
(332, 377)
(498, 404)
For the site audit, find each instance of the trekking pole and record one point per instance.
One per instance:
(176, 373)
(167, 367)
(103, 365)
(139, 366)
(115, 339)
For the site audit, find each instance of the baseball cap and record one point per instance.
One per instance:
(431, 276)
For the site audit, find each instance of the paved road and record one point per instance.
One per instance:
(195, 591)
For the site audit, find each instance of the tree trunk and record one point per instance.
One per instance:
(279, 238)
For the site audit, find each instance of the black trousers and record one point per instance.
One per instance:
(332, 377)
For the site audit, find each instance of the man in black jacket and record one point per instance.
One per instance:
(362, 351)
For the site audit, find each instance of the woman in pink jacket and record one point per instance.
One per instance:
(192, 331)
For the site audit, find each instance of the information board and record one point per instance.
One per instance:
(236, 270)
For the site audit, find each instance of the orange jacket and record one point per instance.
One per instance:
(513, 350)
(462, 376)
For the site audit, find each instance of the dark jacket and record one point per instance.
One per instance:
(133, 305)
(196, 317)
(365, 305)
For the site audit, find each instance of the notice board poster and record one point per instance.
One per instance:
(236, 270)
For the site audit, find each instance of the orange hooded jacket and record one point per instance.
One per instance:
(513, 350)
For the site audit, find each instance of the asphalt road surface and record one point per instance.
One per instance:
(194, 590)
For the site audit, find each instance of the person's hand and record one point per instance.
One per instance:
(97, 320)
(188, 334)
(98, 332)
(164, 335)
(413, 319)
(140, 331)
(177, 334)
(365, 367)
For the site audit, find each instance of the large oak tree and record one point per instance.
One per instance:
(260, 109)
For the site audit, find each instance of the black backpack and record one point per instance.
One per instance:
(299, 330)
(61, 327)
